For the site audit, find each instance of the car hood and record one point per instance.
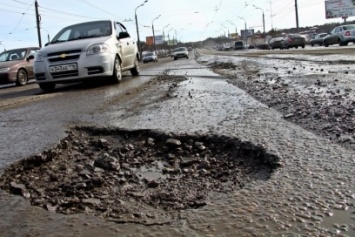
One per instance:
(82, 44)
(10, 63)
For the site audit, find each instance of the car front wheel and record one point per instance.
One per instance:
(326, 44)
(21, 78)
(117, 71)
(47, 87)
(135, 70)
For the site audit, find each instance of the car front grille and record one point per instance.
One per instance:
(63, 56)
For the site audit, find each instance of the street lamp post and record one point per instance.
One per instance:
(153, 31)
(139, 44)
(163, 31)
(3, 45)
(164, 38)
(227, 29)
(263, 18)
(245, 30)
(236, 30)
(48, 38)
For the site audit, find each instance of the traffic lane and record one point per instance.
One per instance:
(316, 51)
(12, 95)
(32, 120)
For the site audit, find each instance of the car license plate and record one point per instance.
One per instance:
(63, 68)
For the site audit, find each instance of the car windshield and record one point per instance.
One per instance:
(149, 54)
(179, 49)
(13, 55)
(83, 31)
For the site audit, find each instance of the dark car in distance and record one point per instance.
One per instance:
(318, 39)
(239, 45)
(293, 41)
(16, 65)
(275, 43)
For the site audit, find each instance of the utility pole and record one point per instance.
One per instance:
(38, 20)
(296, 16)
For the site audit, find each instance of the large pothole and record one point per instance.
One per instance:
(140, 176)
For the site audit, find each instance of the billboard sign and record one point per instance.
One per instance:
(339, 8)
(159, 39)
(247, 33)
(149, 40)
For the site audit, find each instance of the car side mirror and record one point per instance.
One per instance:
(123, 35)
(30, 57)
(46, 44)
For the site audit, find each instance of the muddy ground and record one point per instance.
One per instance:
(164, 183)
(139, 176)
(319, 97)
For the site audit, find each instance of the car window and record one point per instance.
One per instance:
(118, 29)
(349, 27)
(32, 52)
(13, 55)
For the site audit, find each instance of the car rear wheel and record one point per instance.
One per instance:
(296, 47)
(340, 42)
(326, 44)
(302, 46)
(47, 87)
(117, 71)
(312, 45)
(21, 78)
(175, 58)
(135, 70)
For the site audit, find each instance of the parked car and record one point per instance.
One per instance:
(318, 39)
(180, 52)
(239, 45)
(150, 57)
(16, 65)
(341, 35)
(86, 51)
(275, 43)
(293, 41)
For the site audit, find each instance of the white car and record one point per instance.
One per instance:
(85, 51)
(180, 52)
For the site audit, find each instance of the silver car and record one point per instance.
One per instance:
(85, 51)
(341, 35)
(180, 52)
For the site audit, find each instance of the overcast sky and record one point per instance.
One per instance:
(188, 20)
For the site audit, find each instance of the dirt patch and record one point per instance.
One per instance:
(320, 103)
(140, 176)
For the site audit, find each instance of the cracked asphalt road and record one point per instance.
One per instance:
(312, 194)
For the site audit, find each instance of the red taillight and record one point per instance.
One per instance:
(347, 33)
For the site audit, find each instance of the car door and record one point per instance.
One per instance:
(127, 45)
(29, 66)
(333, 39)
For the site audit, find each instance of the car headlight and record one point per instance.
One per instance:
(5, 69)
(38, 57)
(98, 48)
